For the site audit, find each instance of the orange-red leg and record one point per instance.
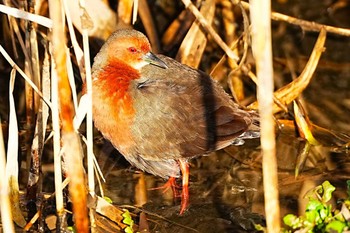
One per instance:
(171, 183)
(185, 196)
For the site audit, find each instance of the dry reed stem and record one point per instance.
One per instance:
(78, 52)
(207, 27)
(21, 14)
(148, 23)
(34, 51)
(96, 166)
(70, 140)
(26, 78)
(40, 130)
(134, 11)
(14, 26)
(71, 80)
(5, 205)
(89, 125)
(234, 79)
(81, 111)
(103, 18)
(12, 154)
(30, 109)
(292, 90)
(305, 25)
(32, 221)
(193, 45)
(177, 30)
(56, 140)
(37, 143)
(125, 10)
(262, 48)
(140, 195)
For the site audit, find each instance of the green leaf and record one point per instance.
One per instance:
(311, 217)
(71, 229)
(128, 230)
(327, 191)
(291, 220)
(259, 227)
(314, 192)
(325, 212)
(314, 204)
(108, 200)
(319, 216)
(128, 221)
(335, 226)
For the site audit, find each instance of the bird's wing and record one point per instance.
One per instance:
(181, 112)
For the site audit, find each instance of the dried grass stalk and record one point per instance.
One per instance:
(39, 107)
(234, 79)
(40, 130)
(5, 205)
(70, 140)
(43, 21)
(26, 78)
(89, 125)
(56, 141)
(150, 27)
(291, 91)
(306, 25)
(125, 10)
(103, 18)
(192, 47)
(177, 30)
(77, 50)
(262, 48)
(12, 161)
(208, 28)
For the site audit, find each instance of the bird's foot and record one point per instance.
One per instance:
(171, 183)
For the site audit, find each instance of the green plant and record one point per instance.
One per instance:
(319, 215)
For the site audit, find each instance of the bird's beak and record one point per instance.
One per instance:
(151, 58)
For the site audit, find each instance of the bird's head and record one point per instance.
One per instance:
(131, 47)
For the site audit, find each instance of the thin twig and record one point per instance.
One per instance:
(89, 125)
(304, 24)
(20, 71)
(210, 29)
(77, 50)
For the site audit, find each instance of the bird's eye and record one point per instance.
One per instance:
(132, 49)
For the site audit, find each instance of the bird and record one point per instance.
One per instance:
(159, 113)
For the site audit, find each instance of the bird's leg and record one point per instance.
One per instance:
(185, 197)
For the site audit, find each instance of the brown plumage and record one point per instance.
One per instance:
(158, 112)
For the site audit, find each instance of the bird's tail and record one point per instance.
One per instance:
(253, 130)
